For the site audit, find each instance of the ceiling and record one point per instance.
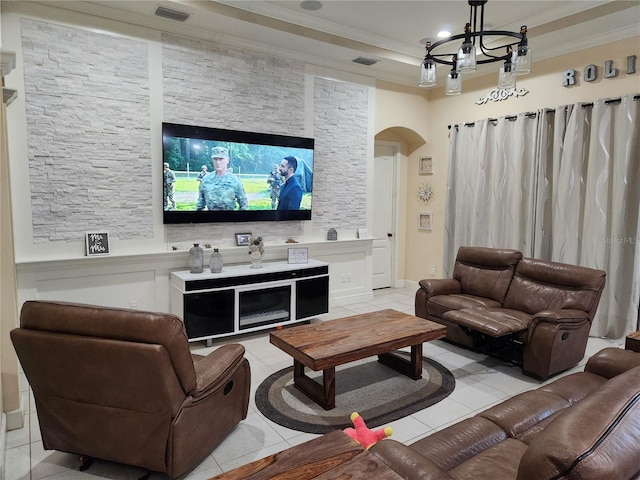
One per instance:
(387, 31)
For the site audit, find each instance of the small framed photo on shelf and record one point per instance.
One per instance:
(425, 221)
(97, 243)
(243, 239)
(425, 166)
(297, 255)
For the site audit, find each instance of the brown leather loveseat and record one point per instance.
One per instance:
(122, 385)
(534, 312)
(584, 426)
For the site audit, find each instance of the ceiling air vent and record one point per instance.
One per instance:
(172, 14)
(365, 61)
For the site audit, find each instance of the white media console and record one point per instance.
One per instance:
(241, 299)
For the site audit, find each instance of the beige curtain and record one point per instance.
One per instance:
(491, 185)
(564, 187)
(596, 204)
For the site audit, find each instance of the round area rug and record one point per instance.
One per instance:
(379, 394)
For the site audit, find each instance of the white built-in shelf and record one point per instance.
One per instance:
(7, 63)
(8, 95)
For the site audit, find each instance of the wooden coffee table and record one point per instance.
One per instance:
(329, 457)
(325, 345)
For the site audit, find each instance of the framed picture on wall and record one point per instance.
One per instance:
(426, 165)
(97, 243)
(425, 221)
(243, 239)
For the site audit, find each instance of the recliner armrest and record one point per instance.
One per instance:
(611, 361)
(560, 316)
(216, 368)
(440, 286)
(407, 462)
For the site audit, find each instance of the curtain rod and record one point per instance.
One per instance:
(610, 101)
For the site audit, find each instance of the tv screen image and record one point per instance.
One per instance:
(218, 175)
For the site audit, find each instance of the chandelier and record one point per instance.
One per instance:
(491, 46)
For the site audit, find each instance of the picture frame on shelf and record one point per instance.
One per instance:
(297, 255)
(97, 243)
(425, 165)
(363, 233)
(243, 239)
(425, 221)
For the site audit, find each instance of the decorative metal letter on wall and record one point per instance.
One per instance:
(498, 94)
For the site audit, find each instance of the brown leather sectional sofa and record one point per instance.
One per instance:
(534, 312)
(584, 426)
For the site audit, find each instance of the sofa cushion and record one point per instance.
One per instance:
(407, 462)
(493, 321)
(574, 387)
(498, 462)
(599, 437)
(523, 411)
(461, 441)
(438, 305)
(539, 285)
(485, 272)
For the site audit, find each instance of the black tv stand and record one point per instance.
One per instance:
(241, 299)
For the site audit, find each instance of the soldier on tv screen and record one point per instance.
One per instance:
(275, 182)
(221, 189)
(169, 188)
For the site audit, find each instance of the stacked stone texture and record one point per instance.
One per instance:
(340, 127)
(89, 139)
(87, 103)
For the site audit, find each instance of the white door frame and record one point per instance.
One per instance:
(395, 281)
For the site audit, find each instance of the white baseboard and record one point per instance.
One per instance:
(15, 418)
(349, 299)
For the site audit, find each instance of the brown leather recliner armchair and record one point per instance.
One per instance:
(121, 385)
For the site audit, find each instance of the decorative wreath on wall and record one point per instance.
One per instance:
(425, 193)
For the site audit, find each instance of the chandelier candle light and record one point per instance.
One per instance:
(515, 55)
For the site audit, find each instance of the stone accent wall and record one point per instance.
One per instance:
(340, 120)
(216, 86)
(88, 121)
(211, 85)
(87, 103)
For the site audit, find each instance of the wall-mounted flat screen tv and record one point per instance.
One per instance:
(218, 175)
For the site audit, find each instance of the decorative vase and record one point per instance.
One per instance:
(256, 249)
(196, 259)
(216, 261)
(256, 259)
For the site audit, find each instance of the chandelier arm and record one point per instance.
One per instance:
(481, 29)
(483, 48)
(473, 12)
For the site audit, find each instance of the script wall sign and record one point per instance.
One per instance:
(498, 94)
(590, 73)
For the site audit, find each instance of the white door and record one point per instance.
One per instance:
(383, 214)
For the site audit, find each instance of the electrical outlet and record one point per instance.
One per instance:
(433, 270)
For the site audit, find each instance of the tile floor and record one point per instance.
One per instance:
(480, 382)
